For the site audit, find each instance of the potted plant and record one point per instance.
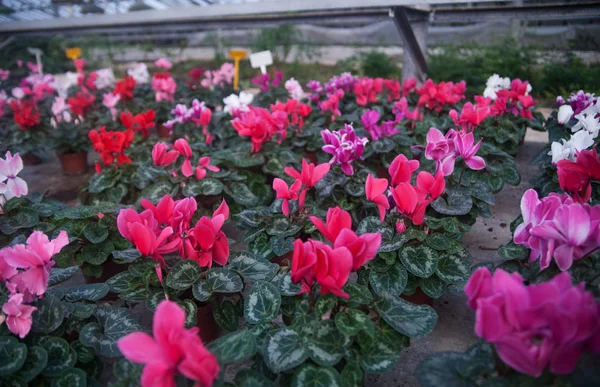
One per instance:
(54, 335)
(71, 144)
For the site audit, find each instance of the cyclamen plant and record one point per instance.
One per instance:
(345, 146)
(538, 331)
(25, 273)
(11, 185)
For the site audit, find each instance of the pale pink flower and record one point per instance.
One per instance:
(163, 63)
(294, 88)
(60, 110)
(10, 167)
(36, 259)
(110, 101)
(18, 315)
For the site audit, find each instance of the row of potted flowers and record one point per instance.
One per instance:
(536, 311)
(338, 246)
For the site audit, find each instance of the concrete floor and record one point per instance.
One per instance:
(454, 330)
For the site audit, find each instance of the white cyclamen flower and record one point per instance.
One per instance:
(139, 72)
(565, 112)
(106, 78)
(579, 141)
(235, 104)
(587, 122)
(494, 84)
(560, 151)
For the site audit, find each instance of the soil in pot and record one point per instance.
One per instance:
(163, 132)
(418, 297)
(208, 327)
(73, 163)
(30, 159)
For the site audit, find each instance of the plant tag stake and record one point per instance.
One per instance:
(38, 57)
(261, 60)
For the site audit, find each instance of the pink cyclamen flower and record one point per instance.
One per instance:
(546, 325)
(336, 220)
(18, 315)
(282, 191)
(203, 165)
(110, 101)
(375, 191)
(146, 233)
(163, 63)
(363, 248)
(161, 156)
(309, 176)
(441, 149)
(557, 227)
(345, 146)
(10, 167)
(401, 169)
(209, 242)
(36, 259)
(464, 144)
(173, 350)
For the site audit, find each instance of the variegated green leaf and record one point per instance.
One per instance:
(452, 269)
(262, 303)
(252, 267)
(326, 345)
(390, 282)
(201, 290)
(309, 375)
(37, 358)
(58, 275)
(421, 260)
(13, 355)
(234, 347)
(407, 318)
(221, 280)
(183, 274)
(48, 316)
(284, 349)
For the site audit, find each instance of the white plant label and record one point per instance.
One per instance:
(38, 57)
(261, 60)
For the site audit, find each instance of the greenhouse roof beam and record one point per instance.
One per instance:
(256, 11)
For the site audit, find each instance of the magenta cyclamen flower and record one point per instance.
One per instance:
(264, 82)
(370, 118)
(446, 149)
(547, 325)
(557, 227)
(345, 146)
(343, 82)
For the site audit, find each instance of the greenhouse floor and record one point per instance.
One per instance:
(454, 330)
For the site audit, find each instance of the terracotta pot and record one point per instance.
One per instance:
(418, 297)
(30, 159)
(209, 329)
(164, 132)
(73, 163)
